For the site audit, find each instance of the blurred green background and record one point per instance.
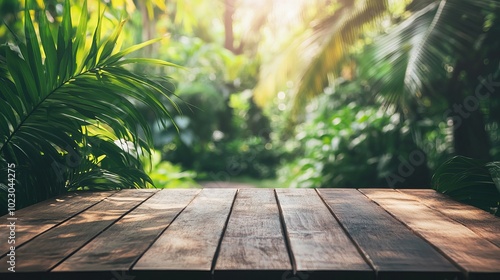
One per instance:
(317, 93)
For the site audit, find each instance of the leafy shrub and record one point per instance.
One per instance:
(68, 109)
(470, 181)
(166, 175)
(346, 141)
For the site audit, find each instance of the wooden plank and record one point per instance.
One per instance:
(253, 239)
(38, 218)
(48, 249)
(394, 251)
(317, 241)
(122, 244)
(190, 242)
(479, 221)
(477, 256)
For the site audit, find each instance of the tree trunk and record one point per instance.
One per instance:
(229, 10)
(148, 29)
(228, 24)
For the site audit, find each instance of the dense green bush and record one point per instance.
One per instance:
(223, 158)
(164, 174)
(69, 109)
(349, 139)
(223, 134)
(471, 181)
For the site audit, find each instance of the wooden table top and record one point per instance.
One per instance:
(294, 234)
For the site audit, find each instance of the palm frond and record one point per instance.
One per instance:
(49, 107)
(405, 64)
(414, 59)
(321, 50)
(341, 32)
(468, 180)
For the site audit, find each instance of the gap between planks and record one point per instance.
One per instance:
(454, 240)
(192, 239)
(392, 248)
(44, 252)
(253, 244)
(479, 221)
(79, 202)
(317, 240)
(117, 247)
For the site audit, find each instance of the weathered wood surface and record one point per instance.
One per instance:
(479, 221)
(317, 240)
(192, 239)
(253, 234)
(124, 242)
(474, 254)
(390, 246)
(48, 214)
(254, 239)
(47, 250)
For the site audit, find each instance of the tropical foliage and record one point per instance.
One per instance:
(347, 142)
(471, 181)
(164, 174)
(444, 91)
(408, 65)
(311, 93)
(68, 108)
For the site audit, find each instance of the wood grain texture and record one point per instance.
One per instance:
(121, 244)
(390, 246)
(479, 221)
(253, 239)
(48, 249)
(469, 250)
(98, 237)
(316, 239)
(190, 242)
(36, 219)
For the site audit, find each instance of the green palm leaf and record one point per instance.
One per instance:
(471, 181)
(341, 32)
(317, 52)
(407, 63)
(413, 60)
(62, 116)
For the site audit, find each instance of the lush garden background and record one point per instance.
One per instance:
(274, 93)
